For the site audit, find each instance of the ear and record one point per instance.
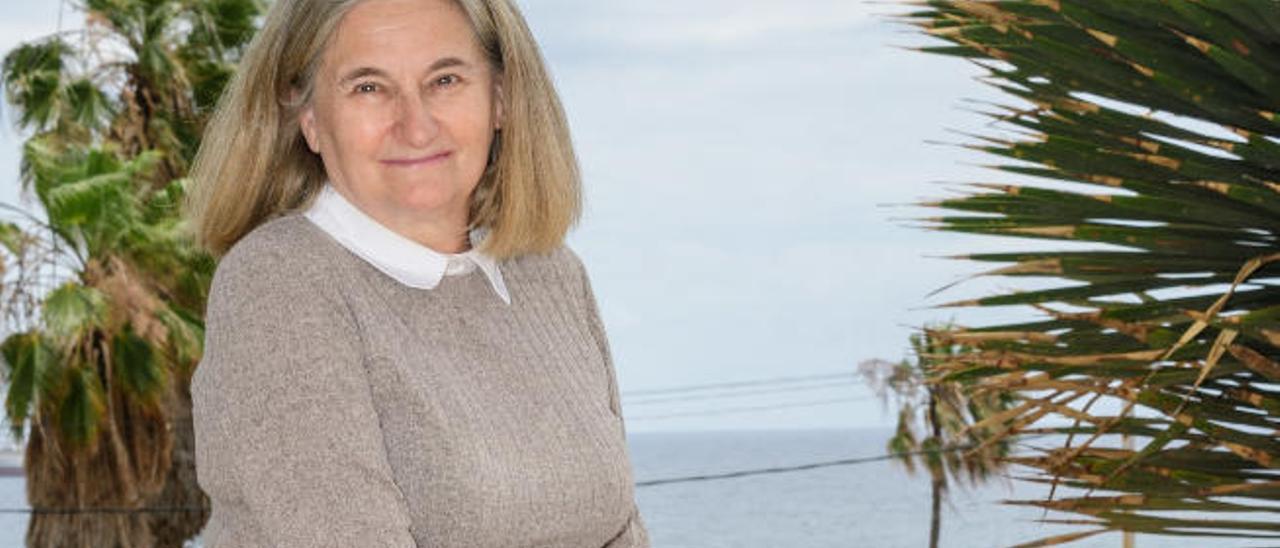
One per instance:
(307, 122)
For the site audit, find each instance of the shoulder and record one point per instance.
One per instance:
(559, 272)
(290, 244)
(291, 239)
(559, 263)
(285, 255)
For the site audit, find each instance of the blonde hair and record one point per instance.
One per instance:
(253, 163)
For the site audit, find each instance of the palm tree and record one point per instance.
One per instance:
(1162, 117)
(103, 293)
(936, 420)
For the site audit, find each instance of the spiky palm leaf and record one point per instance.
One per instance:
(1170, 332)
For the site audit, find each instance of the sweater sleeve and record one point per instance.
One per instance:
(596, 326)
(634, 534)
(288, 442)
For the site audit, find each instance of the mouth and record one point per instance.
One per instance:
(418, 161)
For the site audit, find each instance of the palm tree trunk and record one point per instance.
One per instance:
(180, 488)
(939, 476)
(158, 452)
(935, 523)
(64, 479)
(115, 415)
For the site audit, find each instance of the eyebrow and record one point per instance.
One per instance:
(362, 72)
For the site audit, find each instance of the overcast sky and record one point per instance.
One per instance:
(738, 156)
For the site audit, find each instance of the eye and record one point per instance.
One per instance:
(365, 87)
(447, 80)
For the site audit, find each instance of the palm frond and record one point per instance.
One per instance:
(1169, 332)
(32, 368)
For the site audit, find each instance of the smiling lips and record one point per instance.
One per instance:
(419, 161)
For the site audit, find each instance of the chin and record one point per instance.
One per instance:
(426, 194)
(427, 200)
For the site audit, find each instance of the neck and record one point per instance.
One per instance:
(453, 242)
(441, 235)
(446, 233)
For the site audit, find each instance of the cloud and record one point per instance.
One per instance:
(704, 25)
(717, 25)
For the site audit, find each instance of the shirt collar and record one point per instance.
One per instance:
(405, 260)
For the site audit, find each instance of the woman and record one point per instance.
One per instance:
(400, 350)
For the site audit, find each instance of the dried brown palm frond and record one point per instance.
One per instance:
(1168, 333)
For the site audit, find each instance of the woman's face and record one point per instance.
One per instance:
(403, 112)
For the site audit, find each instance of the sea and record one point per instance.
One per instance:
(872, 504)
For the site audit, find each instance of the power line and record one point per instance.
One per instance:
(731, 410)
(780, 469)
(734, 394)
(776, 380)
(647, 483)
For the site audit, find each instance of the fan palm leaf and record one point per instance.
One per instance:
(103, 294)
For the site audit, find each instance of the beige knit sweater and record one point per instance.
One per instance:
(337, 407)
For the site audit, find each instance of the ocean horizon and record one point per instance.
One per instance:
(874, 504)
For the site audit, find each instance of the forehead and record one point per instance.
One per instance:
(389, 32)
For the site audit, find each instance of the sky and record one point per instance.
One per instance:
(749, 167)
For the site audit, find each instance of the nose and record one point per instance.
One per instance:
(415, 123)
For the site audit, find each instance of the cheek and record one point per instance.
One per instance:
(356, 130)
(475, 124)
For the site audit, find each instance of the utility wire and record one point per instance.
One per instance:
(801, 388)
(731, 410)
(780, 469)
(648, 483)
(776, 380)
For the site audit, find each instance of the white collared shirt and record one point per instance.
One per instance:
(405, 260)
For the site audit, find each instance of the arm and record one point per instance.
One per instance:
(596, 325)
(285, 424)
(634, 534)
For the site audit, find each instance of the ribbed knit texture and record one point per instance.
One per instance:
(337, 407)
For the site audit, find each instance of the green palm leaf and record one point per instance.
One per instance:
(81, 409)
(106, 289)
(1168, 109)
(137, 368)
(33, 76)
(73, 310)
(32, 369)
